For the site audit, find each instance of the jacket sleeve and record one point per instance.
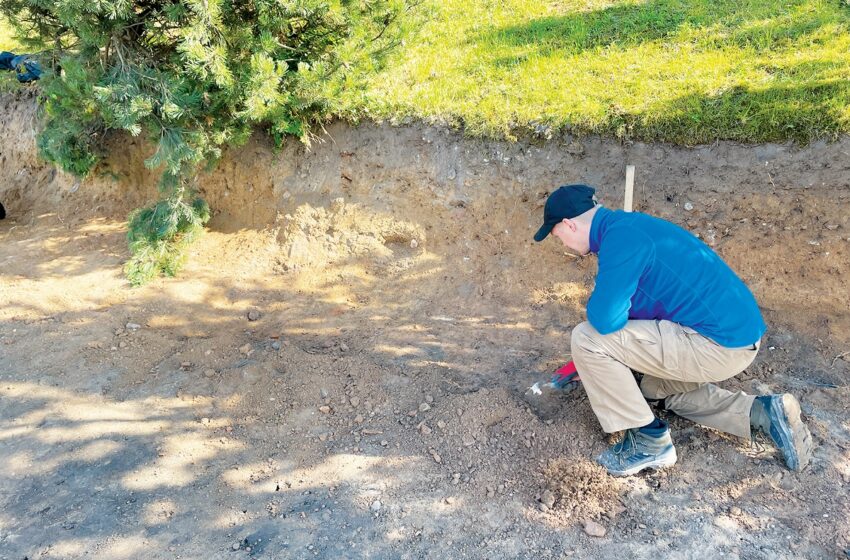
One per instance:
(623, 258)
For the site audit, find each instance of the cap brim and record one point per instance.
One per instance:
(543, 232)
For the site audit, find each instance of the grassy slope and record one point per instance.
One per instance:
(686, 71)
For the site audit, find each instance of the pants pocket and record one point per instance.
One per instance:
(672, 344)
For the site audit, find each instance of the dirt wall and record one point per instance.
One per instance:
(778, 214)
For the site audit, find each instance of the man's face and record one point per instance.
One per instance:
(573, 235)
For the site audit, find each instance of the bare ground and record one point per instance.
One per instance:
(373, 408)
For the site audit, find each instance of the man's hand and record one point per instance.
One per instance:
(565, 375)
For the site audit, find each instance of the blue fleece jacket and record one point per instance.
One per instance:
(652, 269)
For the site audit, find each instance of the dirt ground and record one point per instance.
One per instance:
(339, 372)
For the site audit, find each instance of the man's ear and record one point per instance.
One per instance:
(569, 223)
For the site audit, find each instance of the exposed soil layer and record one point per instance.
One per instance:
(339, 371)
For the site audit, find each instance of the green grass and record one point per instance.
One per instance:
(686, 71)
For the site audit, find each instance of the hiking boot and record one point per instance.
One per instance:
(778, 416)
(638, 451)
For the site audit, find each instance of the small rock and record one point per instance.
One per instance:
(185, 365)
(594, 529)
(355, 402)
(275, 345)
(343, 347)
(543, 507)
(246, 349)
(575, 148)
(548, 498)
(384, 443)
(735, 511)
(414, 244)
(133, 326)
(689, 206)
(358, 419)
(615, 510)
(325, 409)
(424, 429)
(376, 506)
(436, 457)
(122, 344)
(235, 546)
(205, 420)
(253, 315)
(429, 399)
(209, 372)
(323, 393)
(424, 407)
(441, 424)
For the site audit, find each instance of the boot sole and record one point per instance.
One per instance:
(795, 440)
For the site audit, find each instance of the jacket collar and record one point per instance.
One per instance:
(597, 228)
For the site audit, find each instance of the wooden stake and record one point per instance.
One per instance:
(630, 187)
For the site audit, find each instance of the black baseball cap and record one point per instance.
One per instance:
(568, 202)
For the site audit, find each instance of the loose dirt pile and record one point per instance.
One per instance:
(582, 490)
(339, 372)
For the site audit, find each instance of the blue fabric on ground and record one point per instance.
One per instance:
(6, 60)
(652, 269)
(26, 68)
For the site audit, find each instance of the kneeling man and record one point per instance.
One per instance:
(666, 306)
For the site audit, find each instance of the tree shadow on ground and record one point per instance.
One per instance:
(86, 475)
(811, 110)
(787, 98)
(118, 442)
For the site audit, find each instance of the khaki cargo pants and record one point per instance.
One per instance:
(678, 364)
